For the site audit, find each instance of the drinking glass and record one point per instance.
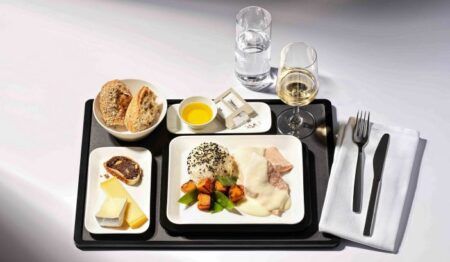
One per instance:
(297, 86)
(252, 47)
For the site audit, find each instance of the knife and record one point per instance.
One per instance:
(378, 164)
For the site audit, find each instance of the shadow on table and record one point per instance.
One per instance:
(271, 89)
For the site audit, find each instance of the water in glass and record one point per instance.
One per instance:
(252, 47)
(252, 54)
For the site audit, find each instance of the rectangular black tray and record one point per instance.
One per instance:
(320, 147)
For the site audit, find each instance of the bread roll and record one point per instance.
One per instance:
(114, 100)
(143, 111)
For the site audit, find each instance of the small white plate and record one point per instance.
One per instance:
(95, 195)
(179, 149)
(259, 124)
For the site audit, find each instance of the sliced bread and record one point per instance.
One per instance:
(125, 169)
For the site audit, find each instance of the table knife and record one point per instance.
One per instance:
(378, 164)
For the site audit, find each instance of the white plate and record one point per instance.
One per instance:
(258, 124)
(179, 149)
(95, 195)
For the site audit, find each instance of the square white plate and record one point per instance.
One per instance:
(179, 149)
(258, 124)
(95, 195)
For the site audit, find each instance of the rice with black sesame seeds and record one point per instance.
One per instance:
(209, 160)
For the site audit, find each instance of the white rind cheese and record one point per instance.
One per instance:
(112, 212)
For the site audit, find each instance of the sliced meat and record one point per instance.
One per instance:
(277, 160)
(277, 212)
(275, 178)
(264, 183)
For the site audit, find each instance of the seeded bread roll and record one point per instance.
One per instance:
(114, 100)
(143, 111)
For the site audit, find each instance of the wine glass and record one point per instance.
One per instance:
(297, 86)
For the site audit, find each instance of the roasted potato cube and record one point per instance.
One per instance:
(236, 193)
(205, 186)
(188, 186)
(204, 201)
(219, 187)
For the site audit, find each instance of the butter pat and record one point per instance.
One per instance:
(112, 212)
(134, 216)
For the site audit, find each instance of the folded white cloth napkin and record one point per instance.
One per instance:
(337, 216)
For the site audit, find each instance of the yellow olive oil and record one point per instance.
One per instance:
(197, 113)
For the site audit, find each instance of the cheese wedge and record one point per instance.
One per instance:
(134, 216)
(112, 212)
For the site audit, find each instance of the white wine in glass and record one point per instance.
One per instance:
(297, 86)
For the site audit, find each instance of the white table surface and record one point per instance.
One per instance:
(390, 58)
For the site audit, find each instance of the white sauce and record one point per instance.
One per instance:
(242, 157)
(262, 197)
(252, 207)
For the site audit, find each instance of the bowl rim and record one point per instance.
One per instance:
(127, 132)
(214, 109)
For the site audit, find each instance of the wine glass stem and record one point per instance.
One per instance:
(296, 120)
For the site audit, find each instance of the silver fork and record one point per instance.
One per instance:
(360, 137)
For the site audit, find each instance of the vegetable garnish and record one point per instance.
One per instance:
(189, 198)
(223, 200)
(227, 180)
(216, 208)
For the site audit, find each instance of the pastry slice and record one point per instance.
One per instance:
(114, 100)
(125, 169)
(143, 110)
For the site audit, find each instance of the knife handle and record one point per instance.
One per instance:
(371, 210)
(357, 185)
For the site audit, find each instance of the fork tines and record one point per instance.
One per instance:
(362, 127)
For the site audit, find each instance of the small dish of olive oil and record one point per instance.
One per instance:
(197, 111)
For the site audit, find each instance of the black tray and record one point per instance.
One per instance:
(320, 153)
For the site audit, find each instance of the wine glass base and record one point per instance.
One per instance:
(300, 130)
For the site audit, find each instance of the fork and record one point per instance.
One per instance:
(360, 137)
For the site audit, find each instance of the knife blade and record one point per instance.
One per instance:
(378, 164)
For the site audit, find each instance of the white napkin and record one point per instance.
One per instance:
(337, 215)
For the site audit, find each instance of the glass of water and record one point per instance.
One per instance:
(252, 50)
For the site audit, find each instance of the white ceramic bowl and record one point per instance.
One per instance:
(201, 99)
(121, 132)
